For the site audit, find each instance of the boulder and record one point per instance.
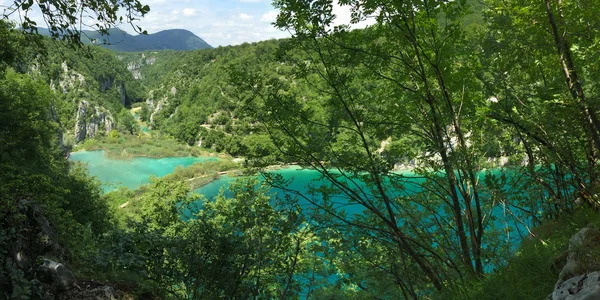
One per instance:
(57, 274)
(579, 279)
(582, 287)
(581, 258)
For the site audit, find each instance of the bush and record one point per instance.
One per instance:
(114, 134)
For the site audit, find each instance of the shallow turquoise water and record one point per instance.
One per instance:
(130, 173)
(301, 180)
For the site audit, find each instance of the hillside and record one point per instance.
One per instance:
(118, 40)
(452, 152)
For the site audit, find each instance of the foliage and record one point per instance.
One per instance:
(238, 246)
(126, 122)
(447, 88)
(127, 146)
(194, 176)
(41, 194)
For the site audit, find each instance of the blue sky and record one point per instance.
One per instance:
(218, 22)
(221, 22)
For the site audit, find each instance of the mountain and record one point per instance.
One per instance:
(118, 40)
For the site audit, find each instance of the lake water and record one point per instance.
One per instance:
(136, 172)
(130, 173)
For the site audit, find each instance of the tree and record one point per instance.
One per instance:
(545, 96)
(406, 76)
(145, 113)
(40, 193)
(246, 245)
(126, 122)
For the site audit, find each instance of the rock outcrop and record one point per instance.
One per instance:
(159, 106)
(60, 277)
(135, 66)
(69, 79)
(123, 94)
(582, 287)
(150, 103)
(89, 126)
(100, 120)
(579, 279)
(35, 257)
(581, 258)
(80, 127)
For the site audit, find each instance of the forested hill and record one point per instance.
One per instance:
(494, 108)
(118, 40)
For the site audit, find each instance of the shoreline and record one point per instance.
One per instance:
(132, 156)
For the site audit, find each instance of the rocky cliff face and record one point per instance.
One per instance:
(69, 80)
(123, 94)
(89, 124)
(158, 108)
(579, 279)
(135, 66)
(135, 69)
(80, 127)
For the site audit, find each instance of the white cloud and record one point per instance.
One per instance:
(219, 23)
(269, 17)
(343, 15)
(189, 11)
(245, 17)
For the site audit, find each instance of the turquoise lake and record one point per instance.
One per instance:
(136, 172)
(130, 173)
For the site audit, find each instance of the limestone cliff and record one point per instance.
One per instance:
(89, 124)
(69, 80)
(135, 67)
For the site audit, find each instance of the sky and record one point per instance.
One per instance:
(218, 22)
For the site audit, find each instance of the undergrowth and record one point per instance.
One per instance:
(533, 271)
(130, 146)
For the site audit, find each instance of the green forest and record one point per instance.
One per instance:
(456, 145)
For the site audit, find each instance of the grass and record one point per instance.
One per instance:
(130, 146)
(533, 271)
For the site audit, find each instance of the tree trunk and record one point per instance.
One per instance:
(590, 119)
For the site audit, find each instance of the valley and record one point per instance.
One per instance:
(436, 150)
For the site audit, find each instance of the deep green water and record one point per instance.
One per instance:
(130, 173)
